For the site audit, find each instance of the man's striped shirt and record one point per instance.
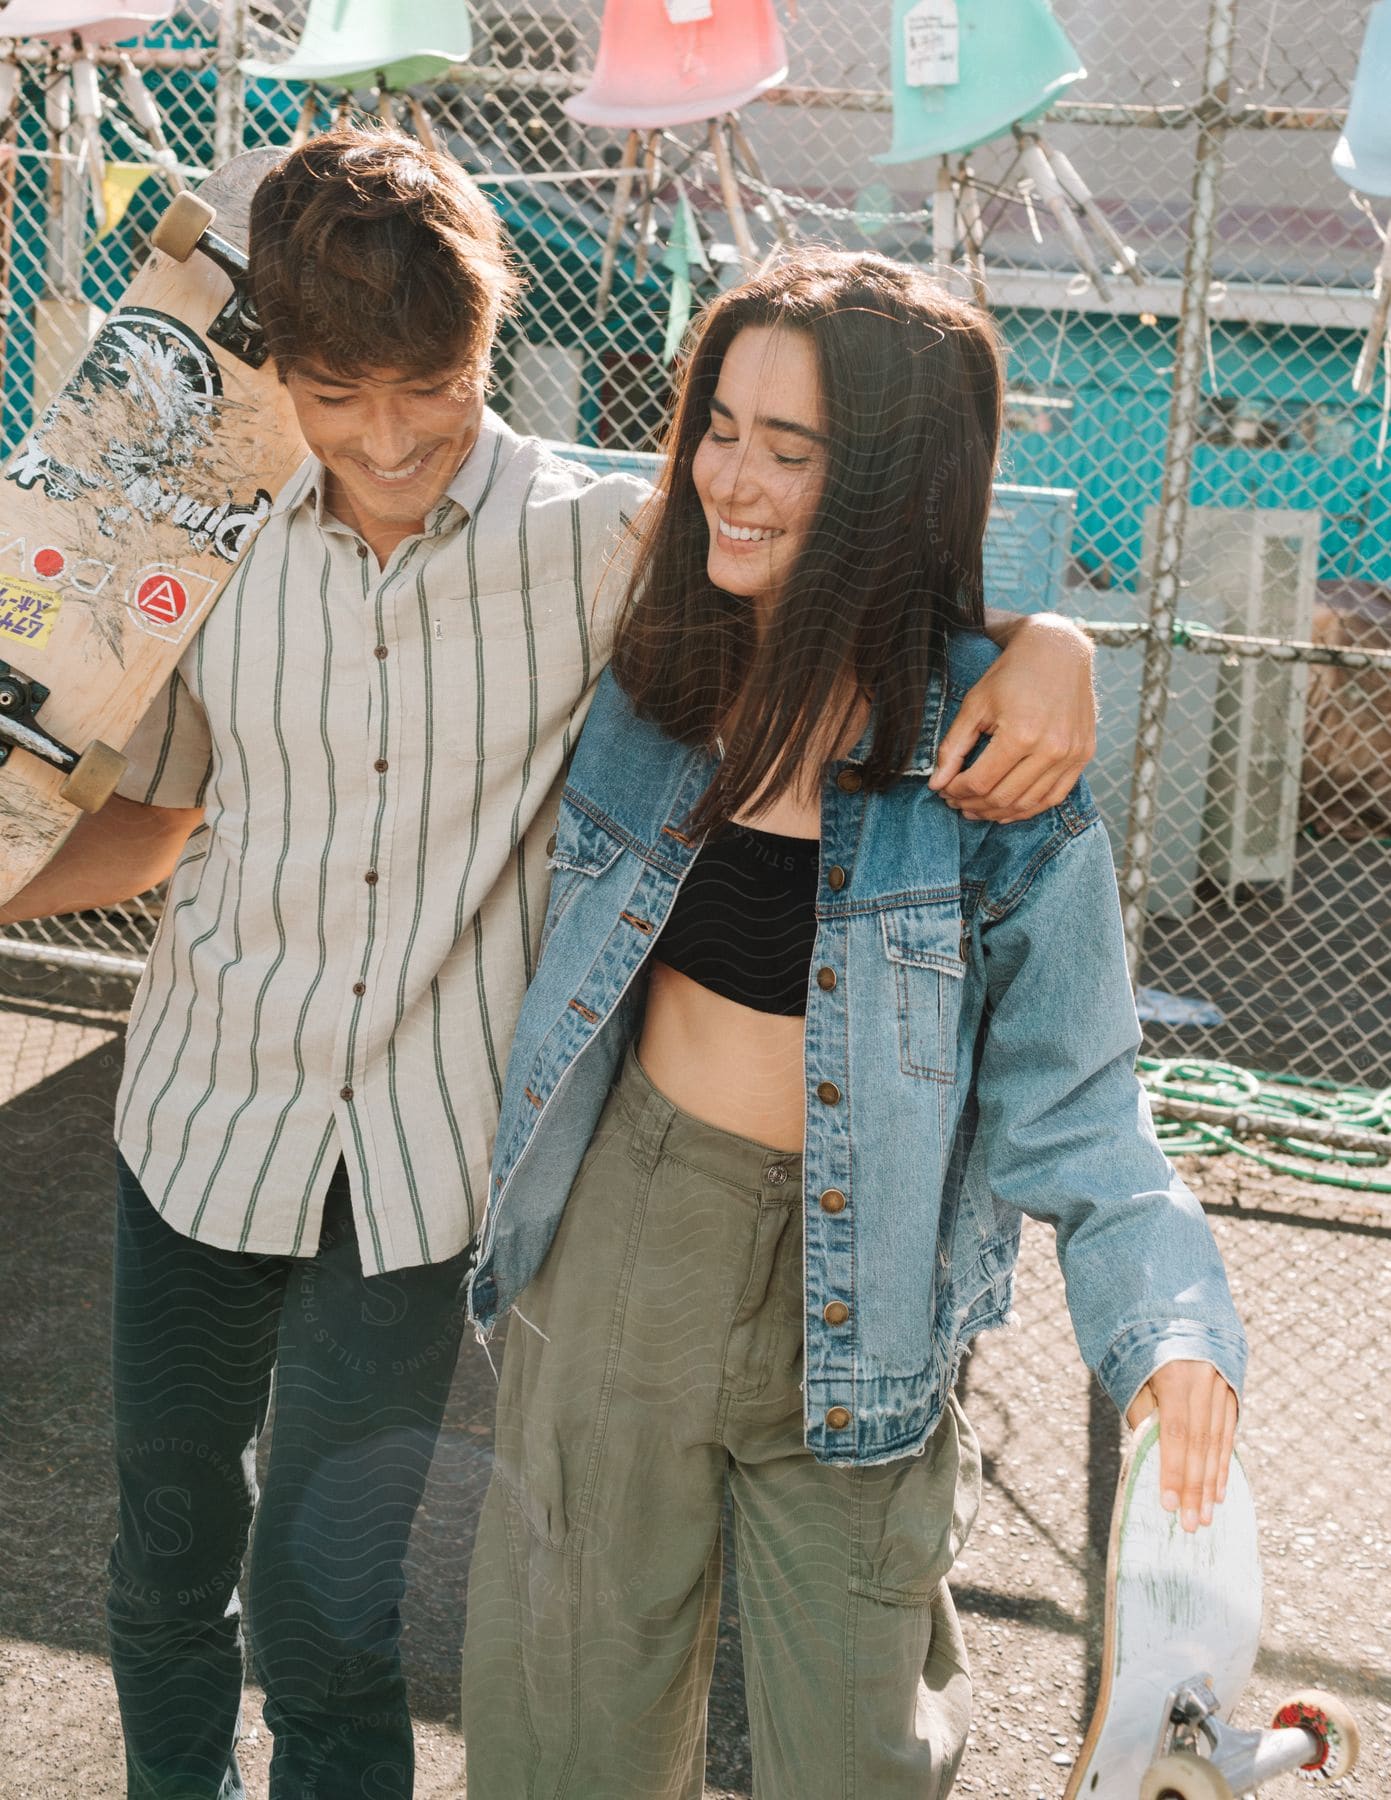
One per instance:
(347, 937)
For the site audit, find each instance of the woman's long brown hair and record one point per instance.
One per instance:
(912, 394)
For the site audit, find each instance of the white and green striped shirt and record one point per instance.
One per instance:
(348, 935)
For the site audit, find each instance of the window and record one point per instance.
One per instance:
(1037, 412)
(1253, 422)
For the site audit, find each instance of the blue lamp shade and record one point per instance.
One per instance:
(1012, 60)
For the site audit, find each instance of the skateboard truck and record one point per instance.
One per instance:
(1311, 1731)
(89, 777)
(186, 226)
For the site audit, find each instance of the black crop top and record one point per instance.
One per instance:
(744, 921)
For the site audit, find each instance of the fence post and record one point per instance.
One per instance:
(1189, 350)
(229, 118)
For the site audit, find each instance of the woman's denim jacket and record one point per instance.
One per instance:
(972, 1060)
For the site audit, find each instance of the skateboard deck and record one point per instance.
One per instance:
(1182, 1627)
(1179, 1605)
(123, 515)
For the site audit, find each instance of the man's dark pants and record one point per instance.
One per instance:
(362, 1366)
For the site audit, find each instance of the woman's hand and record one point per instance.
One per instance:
(1197, 1426)
(1037, 706)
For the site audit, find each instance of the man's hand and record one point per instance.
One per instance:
(1197, 1426)
(1038, 709)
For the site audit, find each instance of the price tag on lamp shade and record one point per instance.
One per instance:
(931, 44)
(689, 12)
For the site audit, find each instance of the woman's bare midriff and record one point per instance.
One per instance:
(726, 1064)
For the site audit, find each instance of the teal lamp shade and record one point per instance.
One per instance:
(1362, 155)
(1013, 61)
(357, 43)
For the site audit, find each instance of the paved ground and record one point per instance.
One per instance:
(1304, 986)
(1312, 1274)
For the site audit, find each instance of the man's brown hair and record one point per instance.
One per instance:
(369, 250)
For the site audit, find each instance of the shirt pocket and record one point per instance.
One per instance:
(583, 851)
(923, 946)
(502, 690)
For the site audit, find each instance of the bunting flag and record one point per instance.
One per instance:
(119, 184)
(685, 251)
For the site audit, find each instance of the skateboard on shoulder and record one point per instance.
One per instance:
(1182, 1626)
(125, 511)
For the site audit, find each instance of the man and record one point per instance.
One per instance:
(355, 770)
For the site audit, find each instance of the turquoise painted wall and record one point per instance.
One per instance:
(1117, 374)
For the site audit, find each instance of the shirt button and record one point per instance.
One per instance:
(833, 1201)
(838, 1418)
(777, 1174)
(835, 878)
(381, 765)
(370, 878)
(850, 781)
(380, 653)
(550, 845)
(359, 987)
(827, 1092)
(836, 1313)
(362, 551)
(345, 1093)
(825, 979)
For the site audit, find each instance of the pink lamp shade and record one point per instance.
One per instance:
(98, 21)
(650, 73)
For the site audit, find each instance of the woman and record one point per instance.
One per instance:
(854, 1036)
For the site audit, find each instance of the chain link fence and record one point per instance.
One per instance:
(1223, 475)
(1253, 645)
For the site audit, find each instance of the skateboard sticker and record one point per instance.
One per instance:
(137, 428)
(64, 567)
(28, 611)
(164, 600)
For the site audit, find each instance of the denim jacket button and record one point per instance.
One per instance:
(838, 1418)
(825, 979)
(550, 845)
(835, 878)
(827, 1092)
(850, 781)
(836, 1312)
(833, 1201)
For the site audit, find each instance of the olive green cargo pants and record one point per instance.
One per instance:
(657, 1356)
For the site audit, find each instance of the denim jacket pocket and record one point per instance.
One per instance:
(924, 945)
(583, 851)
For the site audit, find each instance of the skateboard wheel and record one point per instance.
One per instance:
(93, 778)
(1331, 1722)
(181, 226)
(1183, 1776)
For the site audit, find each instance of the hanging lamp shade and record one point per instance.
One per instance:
(1007, 61)
(1362, 155)
(651, 73)
(356, 43)
(98, 21)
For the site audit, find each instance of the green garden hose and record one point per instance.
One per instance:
(1233, 1090)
